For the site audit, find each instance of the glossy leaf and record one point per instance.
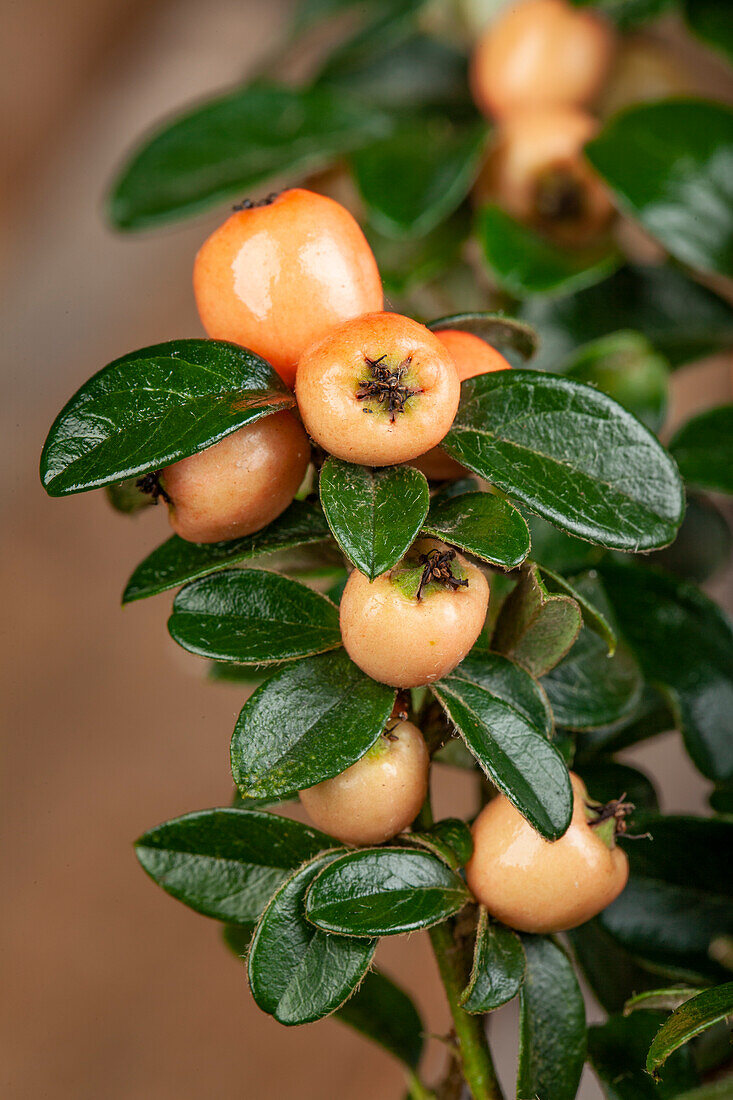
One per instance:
(678, 898)
(589, 688)
(416, 177)
(536, 628)
(617, 1050)
(154, 406)
(307, 723)
(498, 967)
(571, 454)
(506, 334)
(596, 618)
(485, 697)
(128, 498)
(625, 366)
(680, 318)
(483, 524)
(407, 262)
(551, 1024)
(399, 72)
(296, 973)
(253, 617)
(665, 1000)
(684, 196)
(703, 449)
(384, 891)
(559, 551)
(237, 938)
(382, 1012)
(234, 142)
(703, 545)
(627, 14)
(650, 716)
(449, 839)
(710, 20)
(176, 561)
(611, 972)
(227, 863)
(696, 1015)
(524, 263)
(374, 515)
(684, 645)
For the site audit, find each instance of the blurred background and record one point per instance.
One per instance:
(112, 990)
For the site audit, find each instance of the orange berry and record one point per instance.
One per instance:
(472, 356)
(537, 172)
(378, 796)
(538, 885)
(377, 390)
(406, 641)
(240, 484)
(277, 277)
(540, 53)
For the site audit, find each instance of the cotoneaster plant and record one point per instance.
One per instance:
(530, 606)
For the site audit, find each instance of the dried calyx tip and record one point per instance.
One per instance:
(386, 386)
(612, 816)
(559, 196)
(150, 484)
(252, 204)
(437, 567)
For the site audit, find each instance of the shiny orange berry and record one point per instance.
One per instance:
(377, 390)
(378, 796)
(241, 483)
(538, 885)
(540, 53)
(275, 277)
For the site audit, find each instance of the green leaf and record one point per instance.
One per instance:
(177, 561)
(535, 628)
(411, 72)
(415, 178)
(684, 196)
(383, 892)
(374, 515)
(495, 705)
(721, 798)
(678, 898)
(710, 20)
(498, 967)
(237, 938)
(154, 406)
(307, 723)
(680, 318)
(616, 1051)
(625, 366)
(556, 550)
(296, 973)
(407, 262)
(703, 545)
(382, 1012)
(665, 1000)
(449, 839)
(551, 1024)
(608, 779)
(253, 617)
(485, 525)
(696, 1015)
(524, 263)
(703, 449)
(588, 689)
(227, 863)
(595, 618)
(684, 645)
(570, 454)
(506, 334)
(611, 972)
(235, 142)
(713, 1090)
(650, 716)
(629, 13)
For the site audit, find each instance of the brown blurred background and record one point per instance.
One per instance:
(113, 990)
